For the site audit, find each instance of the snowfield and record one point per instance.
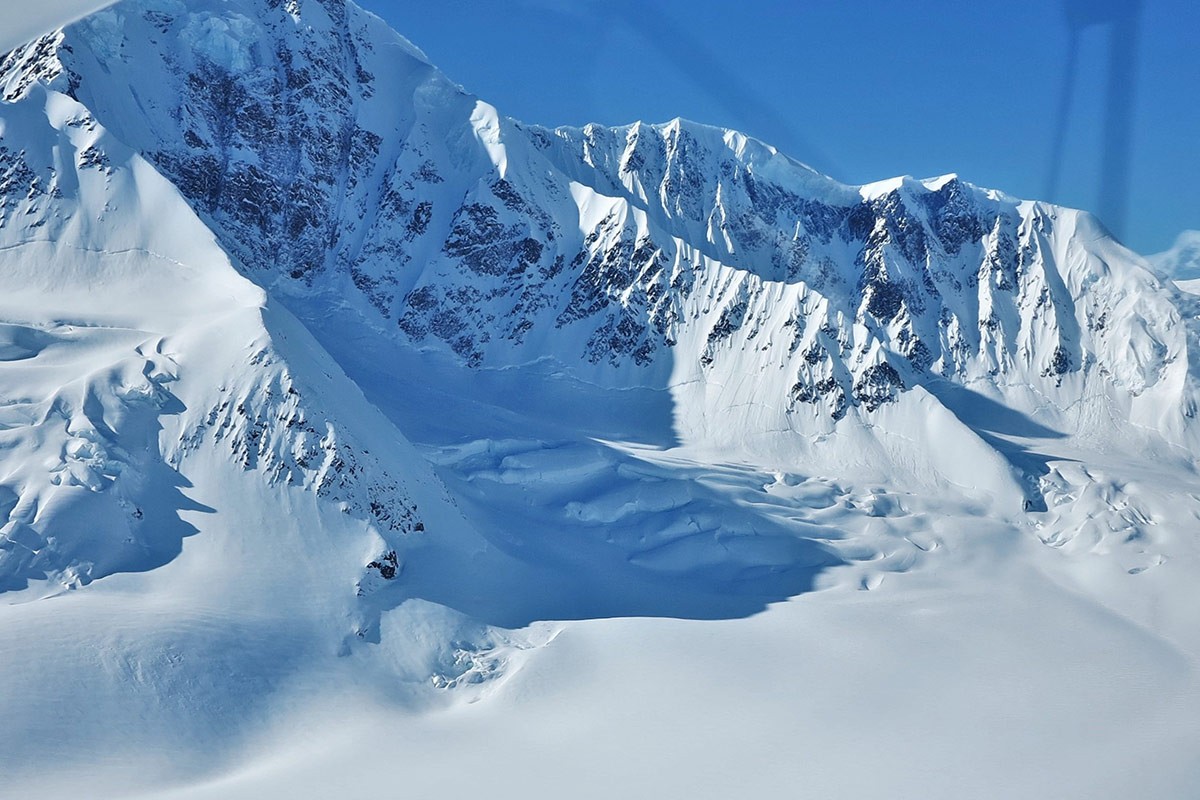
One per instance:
(357, 439)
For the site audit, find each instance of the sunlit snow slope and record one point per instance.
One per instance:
(333, 401)
(1182, 261)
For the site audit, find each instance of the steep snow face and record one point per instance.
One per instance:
(128, 344)
(342, 170)
(88, 377)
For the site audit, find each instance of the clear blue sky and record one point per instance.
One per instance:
(860, 90)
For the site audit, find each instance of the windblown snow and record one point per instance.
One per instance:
(357, 438)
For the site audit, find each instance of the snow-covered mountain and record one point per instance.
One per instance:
(332, 161)
(348, 376)
(1182, 261)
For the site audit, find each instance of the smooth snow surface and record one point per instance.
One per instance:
(357, 439)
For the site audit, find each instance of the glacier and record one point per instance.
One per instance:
(354, 434)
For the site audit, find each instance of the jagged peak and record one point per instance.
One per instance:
(762, 157)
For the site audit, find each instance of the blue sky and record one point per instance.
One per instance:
(863, 90)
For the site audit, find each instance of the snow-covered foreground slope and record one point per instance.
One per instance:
(354, 438)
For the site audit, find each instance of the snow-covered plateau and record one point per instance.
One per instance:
(358, 440)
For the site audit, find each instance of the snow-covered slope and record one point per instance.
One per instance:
(111, 284)
(1182, 261)
(364, 389)
(150, 394)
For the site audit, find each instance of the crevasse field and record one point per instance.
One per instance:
(358, 439)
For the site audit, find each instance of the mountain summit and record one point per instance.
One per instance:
(319, 372)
